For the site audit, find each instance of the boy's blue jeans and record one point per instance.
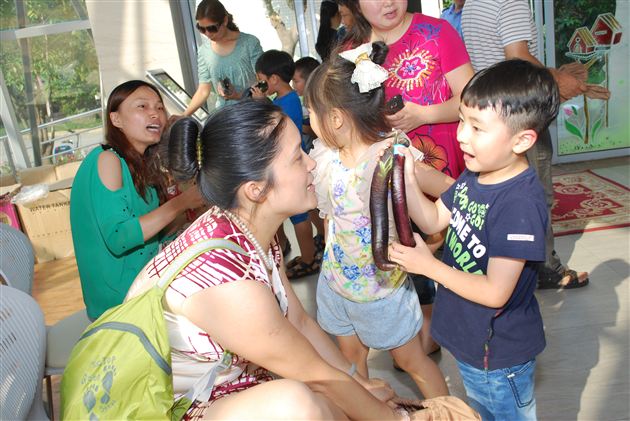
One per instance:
(503, 394)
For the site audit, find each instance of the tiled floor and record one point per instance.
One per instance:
(583, 373)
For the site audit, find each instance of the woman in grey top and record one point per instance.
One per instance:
(226, 63)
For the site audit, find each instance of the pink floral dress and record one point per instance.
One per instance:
(417, 65)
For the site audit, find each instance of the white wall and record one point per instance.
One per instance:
(131, 37)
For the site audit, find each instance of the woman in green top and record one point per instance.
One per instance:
(230, 54)
(115, 213)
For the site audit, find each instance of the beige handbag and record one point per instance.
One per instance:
(442, 408)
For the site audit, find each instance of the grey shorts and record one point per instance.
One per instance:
(382, 324)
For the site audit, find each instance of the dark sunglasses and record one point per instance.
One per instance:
(213, 29)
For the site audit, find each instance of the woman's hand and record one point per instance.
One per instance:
(412, 259)
(191, 198)
(380, 389)
(172, 119)
(232, 94)
(407, 119)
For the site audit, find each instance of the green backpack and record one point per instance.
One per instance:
(121, 366)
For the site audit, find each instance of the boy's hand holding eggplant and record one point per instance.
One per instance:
(418, 259)
(389, 173)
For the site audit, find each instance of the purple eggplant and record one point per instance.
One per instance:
(399, 200)
(379, 213)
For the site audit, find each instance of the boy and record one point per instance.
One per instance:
(303, 69)
(485, 313)
(277, 69)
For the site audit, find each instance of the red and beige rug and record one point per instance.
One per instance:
(585, 201)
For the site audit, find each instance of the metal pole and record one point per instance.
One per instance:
(28, 84)
(16, 150)
(312, 14)
(301, 25)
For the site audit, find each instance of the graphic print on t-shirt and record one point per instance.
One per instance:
(467, 218)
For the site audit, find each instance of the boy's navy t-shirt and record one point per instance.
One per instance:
(507, 219)
(291, 106)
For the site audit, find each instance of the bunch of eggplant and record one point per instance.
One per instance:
(389, 174)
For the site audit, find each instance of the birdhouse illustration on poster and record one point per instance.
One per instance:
(592, 125)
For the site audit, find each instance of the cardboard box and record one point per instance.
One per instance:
(7, 180)
(37, 175)
(68, 170)
(8, 212)
(47, 223)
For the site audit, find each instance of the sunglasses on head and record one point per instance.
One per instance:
(212, 29)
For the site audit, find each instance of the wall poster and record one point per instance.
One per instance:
(595, 33)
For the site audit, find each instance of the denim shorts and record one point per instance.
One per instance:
(502, 394)
(382, 324)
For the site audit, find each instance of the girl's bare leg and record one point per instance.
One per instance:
(422, 369)
(355, 352)
(278, 400)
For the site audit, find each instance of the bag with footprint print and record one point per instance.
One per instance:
(121, 366)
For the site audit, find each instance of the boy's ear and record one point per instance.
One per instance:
(524, 140)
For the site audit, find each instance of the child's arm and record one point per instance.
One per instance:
(431, 217)
(491, 290)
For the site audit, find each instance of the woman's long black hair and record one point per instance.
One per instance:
(327, 35)
(237, 144)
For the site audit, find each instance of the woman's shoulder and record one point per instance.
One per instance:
(110, 169)
(248, 39)
(419, 18)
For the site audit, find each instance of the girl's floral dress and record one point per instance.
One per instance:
(343, 197)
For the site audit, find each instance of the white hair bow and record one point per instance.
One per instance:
(367, 74)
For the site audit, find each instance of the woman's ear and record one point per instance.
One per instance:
(253, 191)
(524, 140)
(115, 118)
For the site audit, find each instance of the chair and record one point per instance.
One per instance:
(17, 266)
(22, 353)
(61, 338)
(17, 259)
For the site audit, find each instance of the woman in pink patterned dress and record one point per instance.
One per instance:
(428, 66)
(252, 170)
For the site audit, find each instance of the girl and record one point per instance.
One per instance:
(118, 209)
(361, 305)
(428, 66)
(253, 171)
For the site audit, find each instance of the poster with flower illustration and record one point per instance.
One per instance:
(594, 33)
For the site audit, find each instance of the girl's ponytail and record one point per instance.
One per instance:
(379, 52)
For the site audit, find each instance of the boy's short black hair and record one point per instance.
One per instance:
(305, 66)
(275, 62)
(524, 95)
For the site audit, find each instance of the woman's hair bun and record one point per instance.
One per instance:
(182, 149)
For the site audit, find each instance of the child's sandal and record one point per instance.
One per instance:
(301, 269)
(293, 262)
